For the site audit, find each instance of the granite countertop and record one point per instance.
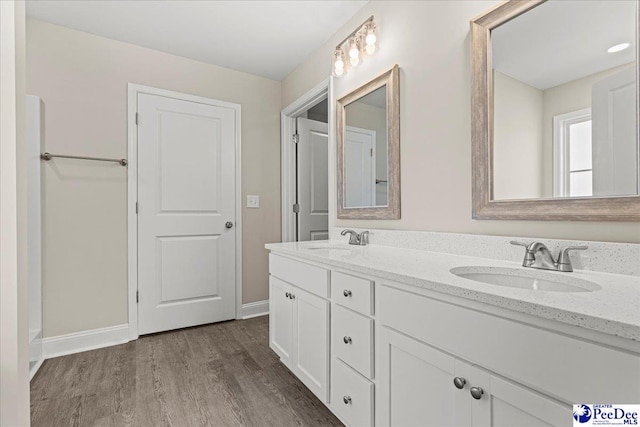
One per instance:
(614, 309)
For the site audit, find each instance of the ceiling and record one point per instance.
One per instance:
(561, 41)
(265, 38)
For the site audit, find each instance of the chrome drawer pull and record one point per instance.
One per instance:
(459, 382)
(477, 392)
(346, 400)
(347, 340)
(347, 293)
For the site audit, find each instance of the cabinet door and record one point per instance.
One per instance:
(311, 342)
(505, 404)
(281, 319)
(415, 384)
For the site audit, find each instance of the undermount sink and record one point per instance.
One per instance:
(535, 280)
(329, 247)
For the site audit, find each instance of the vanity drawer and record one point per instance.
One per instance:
(352, 396)
(305, 276)
(353, 339)
(353, 292)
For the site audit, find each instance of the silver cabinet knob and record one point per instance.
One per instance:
(346, 400)
(459, 382)
(477, 392)
(288, 295)
(293, 296)
(347, 340)
(228, 224)
(347, 293)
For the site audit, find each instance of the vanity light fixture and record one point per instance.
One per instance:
(618, 47)
(362, 40)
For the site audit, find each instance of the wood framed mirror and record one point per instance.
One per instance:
(554, 101)
(368, 139)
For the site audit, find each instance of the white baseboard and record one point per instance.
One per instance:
(254, 309)
(77, 342)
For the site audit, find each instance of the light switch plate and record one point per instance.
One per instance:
(253, 202)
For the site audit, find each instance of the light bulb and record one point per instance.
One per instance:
(371, 38)
(354, 51)
(370, 49)
(338, 71)
(339, 64)
(354, 61)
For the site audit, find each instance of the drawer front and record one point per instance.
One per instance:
(353, 292)
(508, 348)
(353, 339)
(305, 276)
(351, 396)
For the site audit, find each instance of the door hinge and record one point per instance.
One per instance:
(136, 208)
(137, 117)
(296, 138)
(370, 152)
(296, 208)
(137, 297)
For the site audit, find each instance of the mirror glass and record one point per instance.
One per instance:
(366, 151)
(565, 101)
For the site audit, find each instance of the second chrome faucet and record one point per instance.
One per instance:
(356, 239)
(537, 255)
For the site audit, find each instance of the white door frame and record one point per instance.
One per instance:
(132, 179)
(288, 160)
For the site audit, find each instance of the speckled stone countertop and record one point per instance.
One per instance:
(614, 309)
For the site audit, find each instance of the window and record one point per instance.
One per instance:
(572, 163)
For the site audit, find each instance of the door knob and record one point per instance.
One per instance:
(287, 294)
(228, 224)
(459, 382)
(476, 392)
(347, 340)
(346, 400)
(347, 293)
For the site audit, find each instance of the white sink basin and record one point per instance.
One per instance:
(329, 247)
(521, 278)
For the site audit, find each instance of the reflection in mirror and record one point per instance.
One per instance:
(368, 142)
(365, 151)
(564, 101)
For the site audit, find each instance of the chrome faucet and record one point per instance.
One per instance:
(537, 255)
(356, 239)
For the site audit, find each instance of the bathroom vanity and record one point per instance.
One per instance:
(395, 337)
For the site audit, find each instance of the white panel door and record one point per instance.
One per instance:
(186, 194)
(506, 404)
(311, 341)
(360, 169)
(313, 183)
(415, 384)
(281, 319)
(614, 145)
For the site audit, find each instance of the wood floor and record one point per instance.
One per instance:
(215, 375)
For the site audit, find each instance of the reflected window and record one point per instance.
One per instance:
(573, 154)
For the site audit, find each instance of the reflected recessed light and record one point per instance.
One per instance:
(618, 47)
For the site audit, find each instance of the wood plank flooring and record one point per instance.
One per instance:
(222, 374)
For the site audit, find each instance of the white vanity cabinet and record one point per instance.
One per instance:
(398, 354)
(418, 382)
(299, 320)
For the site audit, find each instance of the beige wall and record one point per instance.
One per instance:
(429, 40)
(517, 139)
(82, 80)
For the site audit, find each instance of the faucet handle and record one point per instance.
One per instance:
(364, 238)
(516, 243)
(564, 261)
(529, 258)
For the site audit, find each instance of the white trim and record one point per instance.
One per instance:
(287, 123)
(132, 178)
(255, 309)
(561, 148)
(77, 342)
(34, 369)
